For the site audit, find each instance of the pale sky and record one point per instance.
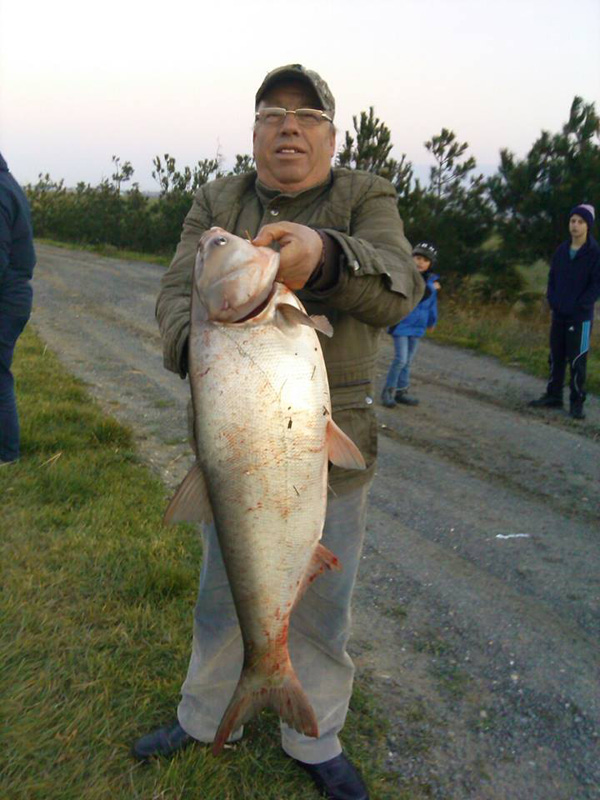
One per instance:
(80, 82)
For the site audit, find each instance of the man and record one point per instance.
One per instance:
(573, 288)
(342, 248)
(17, 260)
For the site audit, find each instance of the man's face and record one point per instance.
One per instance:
(577, 227)
(290, 157)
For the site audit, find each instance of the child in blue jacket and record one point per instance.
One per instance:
(408, 331)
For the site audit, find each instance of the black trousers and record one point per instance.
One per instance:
(10, 330)
(569, 341)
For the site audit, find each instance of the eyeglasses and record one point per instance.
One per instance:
(306, 117)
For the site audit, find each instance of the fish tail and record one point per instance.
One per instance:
(254, 693)
(292, 705)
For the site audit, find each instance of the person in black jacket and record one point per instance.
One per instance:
(17, 260)
(573, 288)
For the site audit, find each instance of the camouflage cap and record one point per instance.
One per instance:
(299, 73)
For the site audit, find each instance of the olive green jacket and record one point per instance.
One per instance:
(376, 286)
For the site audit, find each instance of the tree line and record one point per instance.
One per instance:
(482, 226)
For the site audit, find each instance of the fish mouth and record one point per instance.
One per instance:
(258, 309)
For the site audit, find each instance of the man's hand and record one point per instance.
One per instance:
(300, 250)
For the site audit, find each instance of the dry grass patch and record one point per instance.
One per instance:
(517, 338)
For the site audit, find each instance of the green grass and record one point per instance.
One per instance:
(110, 251)
(96, 613)
(535, 275)
(398, 612)
(517, 335)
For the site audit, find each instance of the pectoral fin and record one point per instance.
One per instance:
(322, 560)
(190, 502)
(294, 316)
(341, 449)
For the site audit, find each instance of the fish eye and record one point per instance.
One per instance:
(221, 241)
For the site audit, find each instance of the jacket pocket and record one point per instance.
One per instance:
(353, 411)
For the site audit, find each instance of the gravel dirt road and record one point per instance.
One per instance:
(477, 614)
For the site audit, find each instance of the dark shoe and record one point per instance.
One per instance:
(547, 401)
(405, 399)
(337, 779)
(387, 397)
(162, 742)
(576, 411)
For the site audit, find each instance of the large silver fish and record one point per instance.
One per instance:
(264, 433)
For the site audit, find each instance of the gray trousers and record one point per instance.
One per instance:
(318, 634)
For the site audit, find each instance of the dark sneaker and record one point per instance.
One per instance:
(387, 397)
(547, 401)
(162, 742)
(405, 399)
(337, 779)
(576, 411)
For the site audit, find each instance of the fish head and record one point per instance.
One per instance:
(232, 277)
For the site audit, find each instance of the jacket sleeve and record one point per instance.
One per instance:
(378, 282)
(174, 299)
(5, 237)
(433, 311)
(592, 292)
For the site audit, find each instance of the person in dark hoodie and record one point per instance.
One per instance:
(573, 288)
(17, 260)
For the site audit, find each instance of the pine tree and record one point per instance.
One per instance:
(533, 196)
(243, 163)
(369, 150)
(447, 174)
(453, 211)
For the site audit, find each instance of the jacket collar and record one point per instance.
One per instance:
(589, 244)
(266, 195)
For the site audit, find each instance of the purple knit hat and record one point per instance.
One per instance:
(586, 212)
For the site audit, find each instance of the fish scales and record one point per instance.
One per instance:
(264, 434)
(263, 456)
